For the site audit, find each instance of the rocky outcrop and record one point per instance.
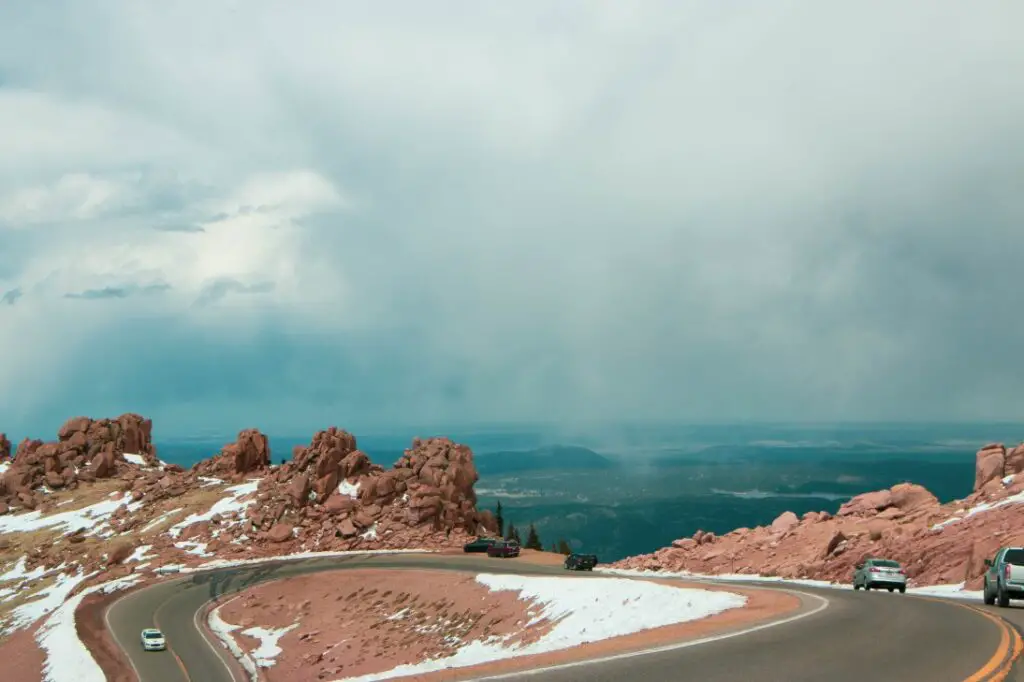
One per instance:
(989, 465)
(5, 448)
(936, 543)
(85, 450)
(249, 453)
(330, 495)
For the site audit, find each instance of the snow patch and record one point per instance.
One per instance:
(19, 572)
(192, 547)
(135, 459)
(234, 502)
(94, 516)
(371, 533)
(350, 489)
(47, 600)
(978, 509)
(268, 649)
(224, 631)
(4, 466)
(582, 611)
(140, 554)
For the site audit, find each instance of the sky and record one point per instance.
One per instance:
(236, 214)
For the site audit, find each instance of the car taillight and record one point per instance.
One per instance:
(902, 572)
(875, 570)
(1006, 571)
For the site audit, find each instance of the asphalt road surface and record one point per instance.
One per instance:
(876, 636)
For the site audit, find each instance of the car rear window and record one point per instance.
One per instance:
(882, 563)
(152, 635)
(1015, 557)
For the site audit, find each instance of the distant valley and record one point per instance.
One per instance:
(651, 487)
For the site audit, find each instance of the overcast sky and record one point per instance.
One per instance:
(288, 215)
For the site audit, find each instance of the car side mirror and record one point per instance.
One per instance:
(859, 566)
(988, 562)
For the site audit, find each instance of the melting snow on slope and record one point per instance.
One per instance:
(19, 572)
(4, 466)
(582, 611)
(94, 516)
(67, 658)
(46, 600)
(140, 554)
(230, 504)
(268, 649)
(224, 631)
(983, 507)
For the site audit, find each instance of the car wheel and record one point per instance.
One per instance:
(903, 589)
(891, 589)
(867, 586)
(856, 585)
(1004, 598)
(987, 596)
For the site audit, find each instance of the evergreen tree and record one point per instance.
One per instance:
(500, 519)
(553, 549)
(515, 536)
(510, 532)
(533, 540)
(563, 548)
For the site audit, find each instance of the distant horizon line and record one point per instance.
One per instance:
(427, 430)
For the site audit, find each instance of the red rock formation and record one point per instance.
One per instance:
(5, 447)
(331, 496)
(935, 543)
(249, 453)
(990, 464)
(84, 451)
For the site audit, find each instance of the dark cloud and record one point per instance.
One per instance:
(219, 289)
(11, 297)
(119, 292)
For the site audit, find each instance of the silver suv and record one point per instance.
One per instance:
(875, 573)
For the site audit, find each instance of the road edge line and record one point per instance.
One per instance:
(824, 604)
(218, 650)
(124, 649)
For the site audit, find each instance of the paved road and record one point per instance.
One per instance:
(874, 636)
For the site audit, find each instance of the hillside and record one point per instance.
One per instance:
(936, 543)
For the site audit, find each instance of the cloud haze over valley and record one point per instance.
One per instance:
(248, 213)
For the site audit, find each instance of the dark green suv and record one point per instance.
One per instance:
(479, 545)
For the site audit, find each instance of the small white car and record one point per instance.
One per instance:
(153, 640)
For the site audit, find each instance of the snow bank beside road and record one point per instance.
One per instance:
(956, 591)
(67, 658)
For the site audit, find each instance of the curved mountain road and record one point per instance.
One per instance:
(874, 636)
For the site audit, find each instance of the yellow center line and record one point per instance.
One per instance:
(998, 666)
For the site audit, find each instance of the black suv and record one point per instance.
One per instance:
(479, 545)
(581, 562)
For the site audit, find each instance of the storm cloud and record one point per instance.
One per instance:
(576, 212)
